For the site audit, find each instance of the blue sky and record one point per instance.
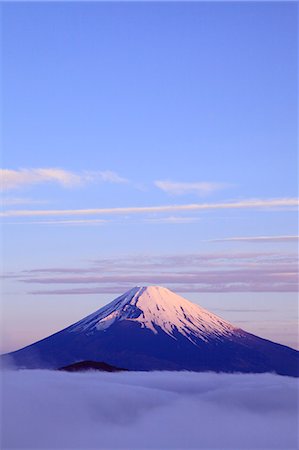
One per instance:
(149, 105)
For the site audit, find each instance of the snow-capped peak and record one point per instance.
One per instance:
(157, 308)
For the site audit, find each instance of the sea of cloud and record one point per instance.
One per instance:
(157, 410)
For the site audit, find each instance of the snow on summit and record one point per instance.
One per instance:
(155, 306)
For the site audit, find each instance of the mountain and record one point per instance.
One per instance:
(84, 366)
(152, 328)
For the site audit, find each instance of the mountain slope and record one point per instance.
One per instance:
(151, 328)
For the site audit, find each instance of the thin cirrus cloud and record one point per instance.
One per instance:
(236, 272)
(14, 201)
(172, 220)
(175, 220)
(181, 188)
(67, 222)
(264, 204)
(14, 179)
(145, 263)
(110, 177)
(262, 239)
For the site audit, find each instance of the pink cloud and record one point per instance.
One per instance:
(235, 272)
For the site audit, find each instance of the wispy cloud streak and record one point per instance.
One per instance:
(177, 288)
(239, 272)
(263, 204)
(61, 222)
(172, 220)
(13, 201)
(13, 179)
(180, 188)
(261, 239)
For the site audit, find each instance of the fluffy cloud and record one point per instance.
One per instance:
(13, 179)
(181, 188)
(158, 410)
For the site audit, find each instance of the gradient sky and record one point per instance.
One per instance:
(149, 143)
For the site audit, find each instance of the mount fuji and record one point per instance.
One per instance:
(152, 328)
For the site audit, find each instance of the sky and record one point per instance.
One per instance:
(149, 143)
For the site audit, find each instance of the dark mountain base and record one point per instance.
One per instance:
(84, 366)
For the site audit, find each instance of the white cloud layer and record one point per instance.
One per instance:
(158, 410)
(13, 179)
(263, 204)
(180, 188)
